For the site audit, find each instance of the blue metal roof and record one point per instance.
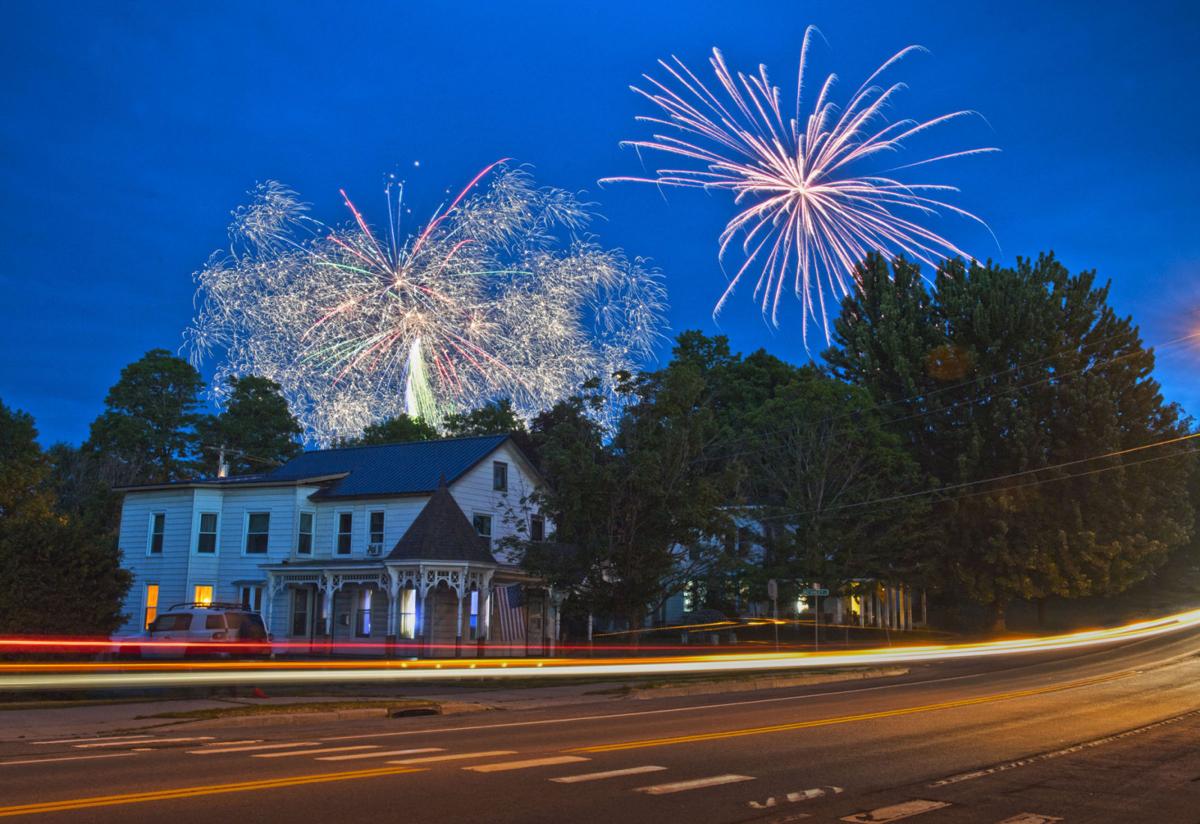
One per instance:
(393, 469)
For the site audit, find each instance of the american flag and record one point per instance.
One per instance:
(511, 613)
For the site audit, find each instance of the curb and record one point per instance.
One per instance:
(770, 683)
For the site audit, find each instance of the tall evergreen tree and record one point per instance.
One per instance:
(400, 429)
(1010, 384)
(149, 423)
(256, 431)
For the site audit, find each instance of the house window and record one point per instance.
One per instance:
(252, 598)
(202, 594)
(151, 611)
(158, 525)
(257, 526)
(345, 529)
(408, 613)
(206, 541)
(376, 521)
(474, 622)
(483, 525)
(305, 539)
(500, 476)
(537, 528)
(362, 622)
(300, 612)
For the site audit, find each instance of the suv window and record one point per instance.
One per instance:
(177, 622)
(214, 622)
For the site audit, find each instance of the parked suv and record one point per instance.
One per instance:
(224, 630)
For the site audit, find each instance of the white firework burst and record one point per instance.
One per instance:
(499, 295)
(811, 212)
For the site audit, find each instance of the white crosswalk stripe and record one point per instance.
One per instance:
(694, 784)
(100, 738)
(504, 766)
(321, 751)
(131, 743)
(600, 776)
(462, 756)
(896, 812)
(252, 748)
(385, 754)
(1031, 818)
(66, 758)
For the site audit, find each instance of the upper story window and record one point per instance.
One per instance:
(537, 528)
(304, 540)
(483, 525)
(206, 541)
(158, 526)
(375, 544)
(257, 526)
(344, 532)
(500, 476)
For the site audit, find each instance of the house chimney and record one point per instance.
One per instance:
(222, 466)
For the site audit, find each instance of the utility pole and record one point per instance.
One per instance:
(773, 594)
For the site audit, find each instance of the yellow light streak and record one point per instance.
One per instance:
(91, 675)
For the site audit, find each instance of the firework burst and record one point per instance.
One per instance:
(810, 211)
(498, 295)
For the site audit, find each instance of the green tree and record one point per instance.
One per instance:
(58, 575)
(1009, 384)
(256, 430)
(400, 429)
(149, 423)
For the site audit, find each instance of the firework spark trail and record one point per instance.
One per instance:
(498, 295)
(810, 213)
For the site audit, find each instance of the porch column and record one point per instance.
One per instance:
(419, 624)
(485, 615)
(327, 605)
(268, 600)
(458, 623)
(393, 611)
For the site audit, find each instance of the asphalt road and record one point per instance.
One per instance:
(1109, 734)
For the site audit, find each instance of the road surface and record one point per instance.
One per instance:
(1109, 734)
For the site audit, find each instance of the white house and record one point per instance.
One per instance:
(395, 548)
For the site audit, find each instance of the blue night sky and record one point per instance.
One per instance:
(131, 130)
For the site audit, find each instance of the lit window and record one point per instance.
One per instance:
(500, 476)
(252, 598)
(483, 525)
(151, 603)
(408, 612)
(202, 594)
(258, 525)
(305, 540)
(537, 528)
(207, 539)
(158, 526)
(363, 622)
(345, 530)
(377, 529)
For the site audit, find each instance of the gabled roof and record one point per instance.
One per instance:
(441, 532)
(368, 471)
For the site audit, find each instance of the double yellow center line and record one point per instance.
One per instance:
(189, 792)
(848, 719)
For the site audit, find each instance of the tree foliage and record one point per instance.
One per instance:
(1009, 385)
(256, 430)
(400, 429)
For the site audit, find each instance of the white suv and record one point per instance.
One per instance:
(193, 630)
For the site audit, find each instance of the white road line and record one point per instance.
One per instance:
(143, 743)
(694, 784)
(504, 766)
(600, 776)
(234, 743)
(321, 751)
(101, 738)
(66, 758)
(214, 750)
(429, 759)
(386, 754)
(1031, 818)
(896, 812)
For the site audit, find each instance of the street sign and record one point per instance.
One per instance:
(809, 593)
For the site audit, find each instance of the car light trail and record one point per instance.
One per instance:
(114, 674)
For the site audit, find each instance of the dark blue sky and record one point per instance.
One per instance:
(130, 130)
